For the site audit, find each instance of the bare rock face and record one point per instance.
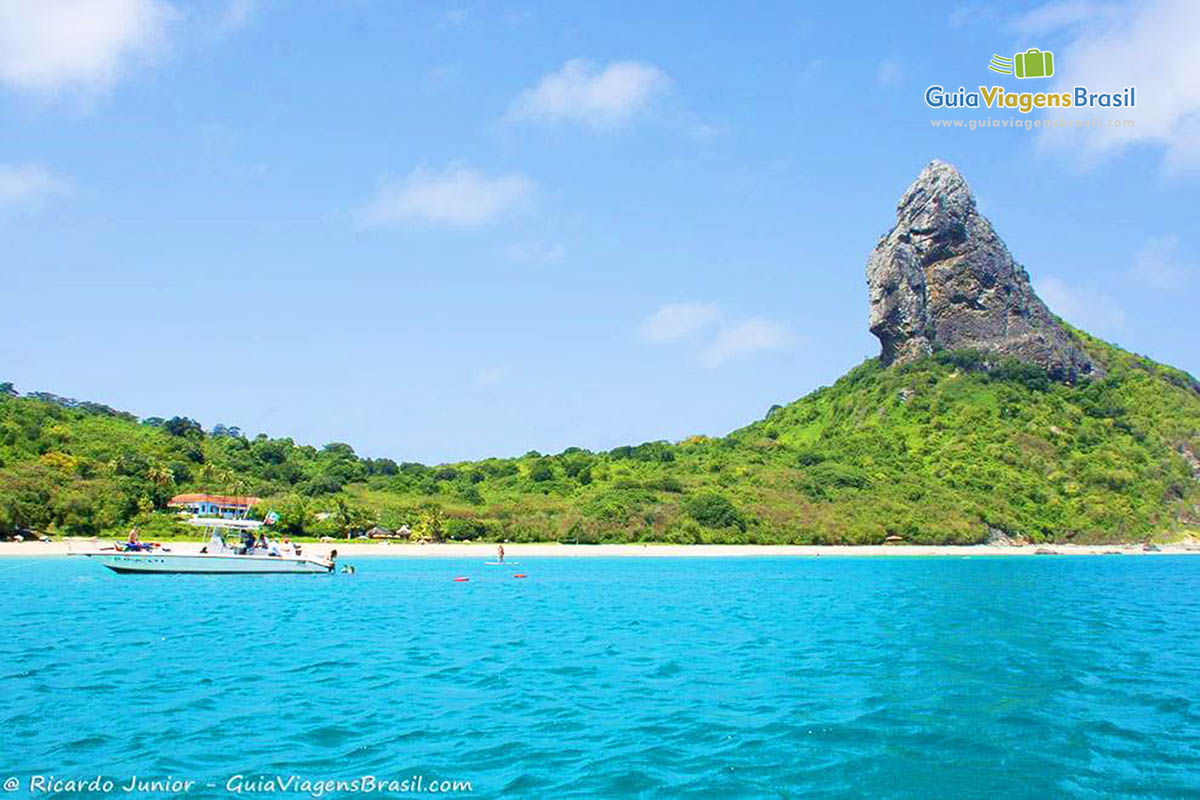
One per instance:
(942, 278)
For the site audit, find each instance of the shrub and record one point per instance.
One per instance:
(1030, 376)
(617, 505)
(842, 476)
(541, 471)
(808, 457)
(471, 494)
(665, 484)
(470, 528)
(183, 426)
(714, 510)
(322, 484)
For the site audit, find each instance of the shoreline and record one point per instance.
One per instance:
(556, 550)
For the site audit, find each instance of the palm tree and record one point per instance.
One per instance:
(207, 473)
(297, 516)
(160, 475)
(162, 479)
(348, 518)
(431, 524)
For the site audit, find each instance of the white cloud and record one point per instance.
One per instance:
(1064, 14)
(237, 14)
(490, 376)
(811, 71)
(536, 252)
(674, 322)
(889, 72)
(678, 322)
(704, 131)
(440, 76)
(1150, 45)
(971, 14)
(453, 18)
(746, 338)
(457, 197)
(581, 93)
(1159, 265)
(49, 45)
(27, 186)
(1085, 306)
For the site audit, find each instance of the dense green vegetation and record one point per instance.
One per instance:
(951, 449)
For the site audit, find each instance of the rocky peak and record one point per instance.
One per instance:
(942, 278)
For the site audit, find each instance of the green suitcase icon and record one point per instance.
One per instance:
(1034, 63)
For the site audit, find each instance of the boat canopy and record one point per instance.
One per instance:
(229, 524)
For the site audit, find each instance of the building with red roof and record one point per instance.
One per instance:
(214, 505)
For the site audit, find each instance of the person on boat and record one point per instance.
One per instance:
(247, 544)
(216, 545)
(286, 548)
(134, 542)
(500, 553)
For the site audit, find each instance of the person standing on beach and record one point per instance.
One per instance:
(500, 551)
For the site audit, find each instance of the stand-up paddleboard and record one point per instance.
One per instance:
(499, 563)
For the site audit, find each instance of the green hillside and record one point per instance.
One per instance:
(949, 449)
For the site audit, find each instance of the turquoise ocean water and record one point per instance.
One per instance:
(676, 677)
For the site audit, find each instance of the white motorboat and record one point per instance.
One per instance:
(216, 557)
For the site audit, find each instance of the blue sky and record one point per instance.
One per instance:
(440, 232)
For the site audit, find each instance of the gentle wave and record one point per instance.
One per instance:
(914, 677)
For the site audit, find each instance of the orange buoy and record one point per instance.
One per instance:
(520, 575)
(461, 579)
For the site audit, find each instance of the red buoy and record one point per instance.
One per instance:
(461, 579)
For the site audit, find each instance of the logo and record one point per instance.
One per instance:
(1033, 63)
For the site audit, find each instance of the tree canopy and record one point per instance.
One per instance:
(944, 450)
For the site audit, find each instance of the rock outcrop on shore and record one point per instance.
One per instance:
(942, 278)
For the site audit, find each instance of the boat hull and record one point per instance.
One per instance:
(205, 564)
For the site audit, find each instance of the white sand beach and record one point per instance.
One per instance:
(552, 550)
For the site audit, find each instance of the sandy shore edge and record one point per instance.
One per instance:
(550, 550)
